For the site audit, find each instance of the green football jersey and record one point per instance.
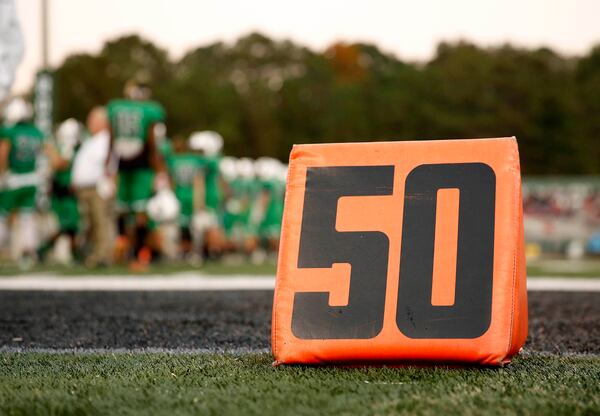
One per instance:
(210, 165)
(130, 122)
(183, 169)
(274, 211)
(245, 191)
(236, 216)
(26, 142)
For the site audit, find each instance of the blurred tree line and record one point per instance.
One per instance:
(264, 95)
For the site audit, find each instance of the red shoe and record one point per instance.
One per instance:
(142, 264)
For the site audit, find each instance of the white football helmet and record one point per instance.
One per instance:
(283, 172)
(216, 144)
(17, 110)
(196, 142)
(68, 136)
(245, 168)
(209, 142)
(164, 206)
(227, 167)
(267, 168)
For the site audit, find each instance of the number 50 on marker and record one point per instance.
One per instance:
(402, 251)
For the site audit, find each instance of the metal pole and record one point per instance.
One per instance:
(44, 34)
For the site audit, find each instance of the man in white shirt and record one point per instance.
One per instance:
(93, 188)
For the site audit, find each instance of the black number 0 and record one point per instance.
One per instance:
(367, 252)
(470, 315)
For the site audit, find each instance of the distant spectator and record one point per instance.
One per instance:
(93, 188)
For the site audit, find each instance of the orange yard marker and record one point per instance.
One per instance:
(402, 251)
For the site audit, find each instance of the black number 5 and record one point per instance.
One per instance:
(321, 246)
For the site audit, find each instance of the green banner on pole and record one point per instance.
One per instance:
(44, 101)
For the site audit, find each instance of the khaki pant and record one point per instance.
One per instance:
(96, 212)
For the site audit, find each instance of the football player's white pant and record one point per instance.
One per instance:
(201, 222)
(3, 230)
(28, 231)
(170, 240)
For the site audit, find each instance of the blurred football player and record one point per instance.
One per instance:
(168, 231)
(61, 154)
(187, 178)
(242, 191)
(20, 146)
(231, 203)
(141, 166)
(163, 209)
(207, 146)
(268, 210)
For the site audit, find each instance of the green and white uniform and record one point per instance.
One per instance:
(64, 203)
(20, 187)
(236, 216)
(212, 188)
(270, 226)
(130, 122)
(183, 168)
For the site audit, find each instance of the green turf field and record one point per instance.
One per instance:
(564, 268)
(159, 383)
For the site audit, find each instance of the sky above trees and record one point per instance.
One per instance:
(409, 29)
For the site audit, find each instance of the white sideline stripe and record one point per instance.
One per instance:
(176, 282)
(563, 284)
(190, 281)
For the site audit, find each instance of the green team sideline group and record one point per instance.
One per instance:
(119, 190)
